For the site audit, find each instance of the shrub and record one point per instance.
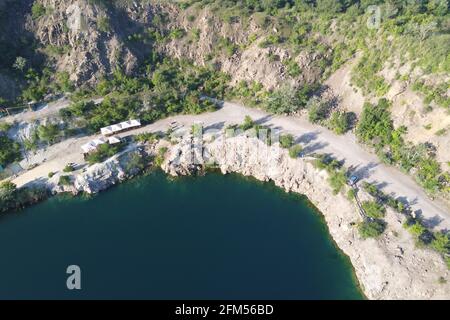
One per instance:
(414, 227)
(295, 150)
(48, 133)
(318, 110)
(286, 141)
(248, 123)
(103, 152)
(351, 194)
(37, 10)
(441, 243)
(9, 151)
(339, 122)
(371, 229)
(68, 168)
(146, 137)
(51, 174)
(337, 180)
(375, 122)
(159, 159)
(64, 181)
(103, 24)
(373, 209)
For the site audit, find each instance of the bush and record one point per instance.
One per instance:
(68, 168)
(294, 151)
(286, 141)
(37, 10)
(339, 122)
(9, 151)
(371, 229)
(414, 227)
(373, 209)
(351, 194)
(159, 159)
(51, 174)
(375, 122)
(441, 243)
(103, 152)
(318, 110)
(64, 181)
(248, 123)
(146, 137)
(103, 24)
(48, 133)
(337, 180)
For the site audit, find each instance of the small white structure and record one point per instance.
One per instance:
(92, 145)
(115, 128)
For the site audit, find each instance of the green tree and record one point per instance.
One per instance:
(371, 229)
(9, 151)
(373, 209)
(48, 133)
(248, 123)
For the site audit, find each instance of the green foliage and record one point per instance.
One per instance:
(63, 82)
(68, 168)
(318, 110)
(146, 137)
(337, 180)
(176, 33)
(371, 229)
(292, 67)
(159, 159)
(48, 133)
(65, 181)
(351, 194)
(51, 174)
(247, 124)
(365, 73)
(9, 151)
(135, 163)
(375, 124)
(37, 10)
(441, 243)
(295, 150)
(288, 100)
(12, 198)
(103, 152)
(103, 24)
(286, 140)
(339, 122)
(373, 209)
(415, 227)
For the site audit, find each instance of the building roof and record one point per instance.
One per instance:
(120, 126)
(92, 145)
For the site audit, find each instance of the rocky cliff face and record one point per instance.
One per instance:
(90, 40)
(390, 267)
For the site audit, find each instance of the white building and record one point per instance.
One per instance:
(115, 128)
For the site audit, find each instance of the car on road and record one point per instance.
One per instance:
(353, 180)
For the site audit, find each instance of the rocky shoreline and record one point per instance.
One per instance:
(390, 267)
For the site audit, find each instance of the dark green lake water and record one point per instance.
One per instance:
(208, 237)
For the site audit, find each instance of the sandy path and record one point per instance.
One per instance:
(314, 138)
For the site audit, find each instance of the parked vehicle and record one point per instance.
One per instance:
(353, 180)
